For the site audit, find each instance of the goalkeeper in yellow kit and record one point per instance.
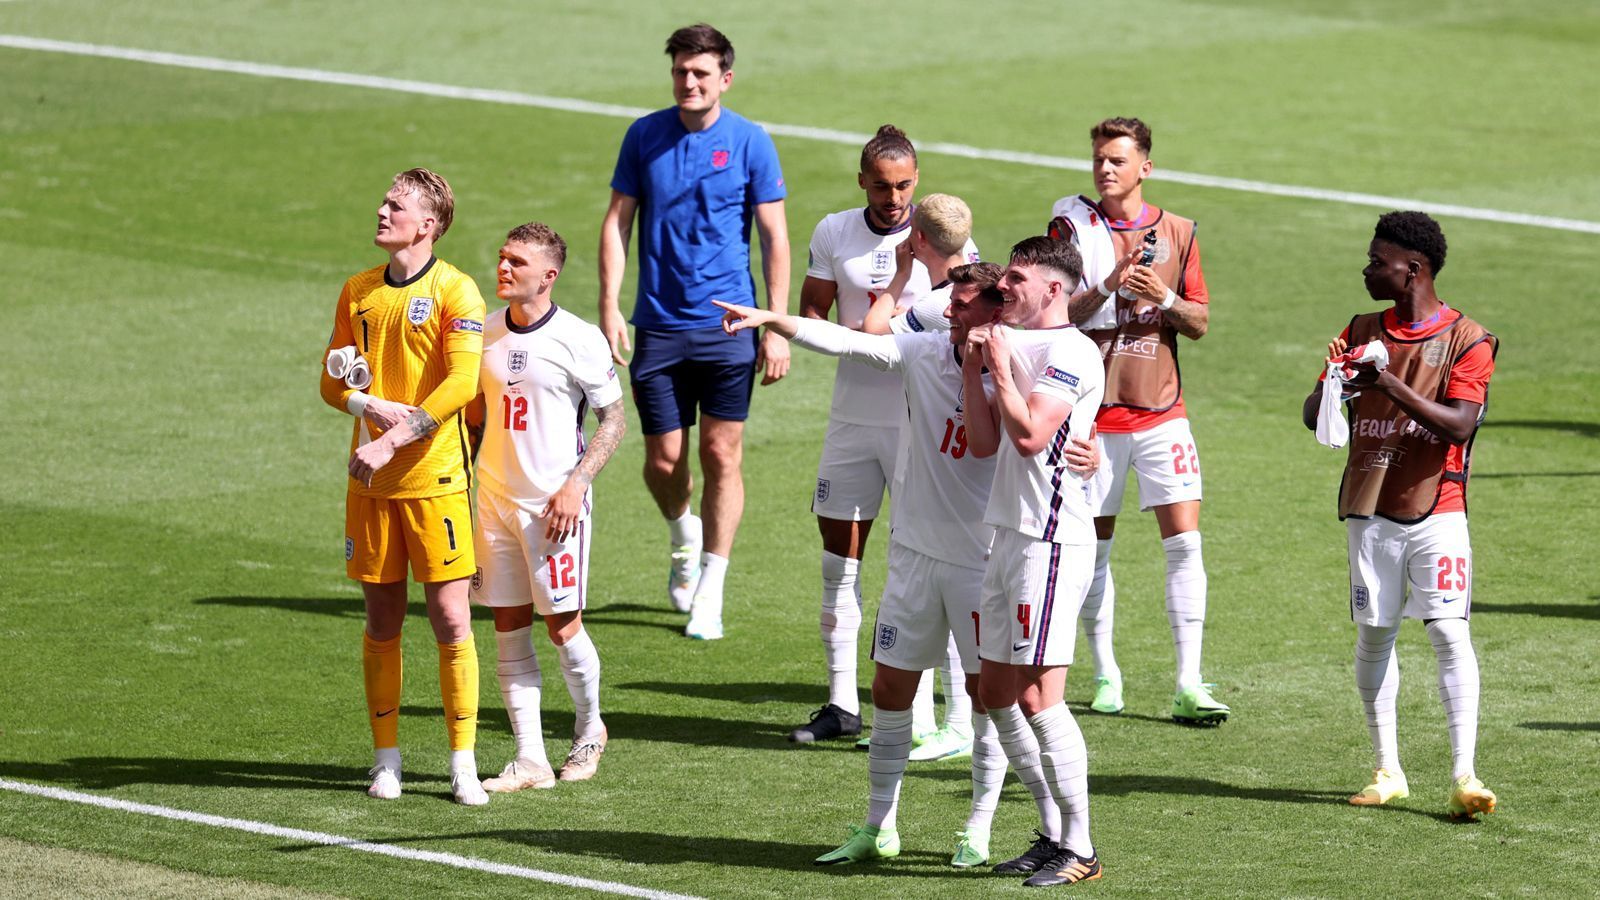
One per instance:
(417, 323)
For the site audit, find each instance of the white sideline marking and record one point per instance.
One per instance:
(803, 132)
(334, 840)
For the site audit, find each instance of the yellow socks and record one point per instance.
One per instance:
(458, 686)
(381, 669)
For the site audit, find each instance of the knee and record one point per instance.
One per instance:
(721, 458)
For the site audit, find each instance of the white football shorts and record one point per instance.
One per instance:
(857, 464)
(1164, 459)
(518, 566)
(925, 600)
(1032, 592)
(1420, 571)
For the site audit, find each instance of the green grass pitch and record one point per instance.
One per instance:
(176, 629)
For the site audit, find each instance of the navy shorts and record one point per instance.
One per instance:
(673, 371)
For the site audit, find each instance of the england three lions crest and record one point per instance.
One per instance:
(517, 361)
(420, 310)
(887, 634)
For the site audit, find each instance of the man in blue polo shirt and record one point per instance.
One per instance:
(696, 175)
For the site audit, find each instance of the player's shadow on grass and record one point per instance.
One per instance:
(637, 615)
(660, 849)
(734, 692)
(1562, 726)
(111, 772)
(1590, 611)
(340, 607)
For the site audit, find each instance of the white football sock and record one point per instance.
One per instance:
(1022, 751)
(886, 763)
(388, 757)
(1099, 612)
(1378, 681)
(923, 718)
(957, 705)
(841, 623)
(520, 682)
(580, 666)
(988, 774)
(1186, 603)
(1458, 689)
(708, 593)
(464, 761)
(1066, 763)
(685, 529)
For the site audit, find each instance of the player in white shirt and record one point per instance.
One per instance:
(1047, 385)
(543, 369)
(937, 550)
(852, 261)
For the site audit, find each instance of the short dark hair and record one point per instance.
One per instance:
(1051, 253)
(889, 143)
(701, 38)
(1111, 129)
(985, 276)
(542, 236)
(1415, 231)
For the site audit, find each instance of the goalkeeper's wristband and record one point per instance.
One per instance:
(1166, 304)
(1101, 290)
(357, 403)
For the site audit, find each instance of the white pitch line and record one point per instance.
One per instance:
(803, 132)
(334, 840)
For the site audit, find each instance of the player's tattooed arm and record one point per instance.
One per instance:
(1082, 306)
(565, 509)
(1191, 319)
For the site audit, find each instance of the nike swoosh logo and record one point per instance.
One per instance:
(362, 312)
(463, 718)
(1022, 646)
(1450, 600)
(451, 560)
(384, 713)
(561, 599)
(510, 383)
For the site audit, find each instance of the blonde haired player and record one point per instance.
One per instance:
(543, 368)
(418, 323)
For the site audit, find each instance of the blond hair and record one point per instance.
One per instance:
(945, 221)
(433, 191)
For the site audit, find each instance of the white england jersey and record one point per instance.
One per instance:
(857, 256)
(538, 382)
(940, 485)
(926, 314)
(1037, 495)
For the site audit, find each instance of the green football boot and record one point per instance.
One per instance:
(866, 843)
(1107, 695)
(1195, 706)
(972, 849)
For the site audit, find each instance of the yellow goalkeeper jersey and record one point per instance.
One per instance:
(406, 333)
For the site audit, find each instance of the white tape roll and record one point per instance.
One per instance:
(340, 360)
(359, 375)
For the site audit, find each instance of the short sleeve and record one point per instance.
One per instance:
(1469, 377)
(1194, 281)
(927, 314)
(820, 261)
(594, 371)
(463, 312)
(766, 176)
(625, 177)
(1066, 375)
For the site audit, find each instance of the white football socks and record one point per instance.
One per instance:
(923, 718)
(886, 764)
(685, 529)
(520, 682)
(708, 592)
(957, 705)
(1099, 612)
(1022, 751)
(841, 624)
(1186, 603)
(1066, 764)
(580, 666)
(1458, 689)
(988, 774)
(1378, 680)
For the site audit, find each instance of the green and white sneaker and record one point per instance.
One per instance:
(972, 849)
(866, 843)
(946, 743)
(1107, 695)
(1196, 706)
